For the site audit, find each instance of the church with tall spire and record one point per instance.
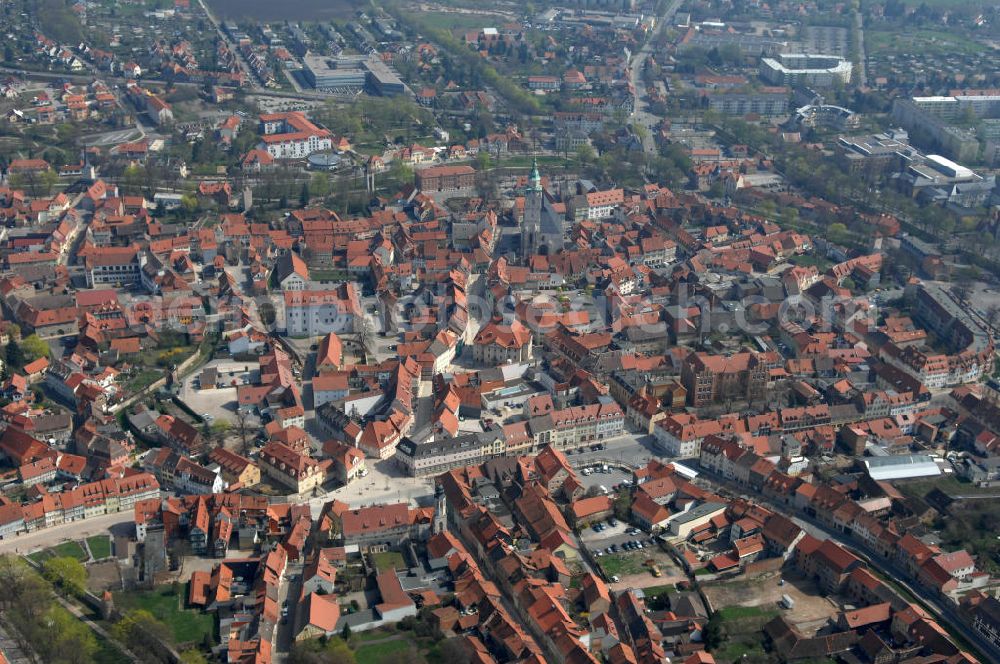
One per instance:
(542, 226)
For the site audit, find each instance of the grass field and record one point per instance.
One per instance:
(66, 549)
(949, 484)
(187, 626)
(100, 546)
(741, 612)
(299, 10)
(453, 21)
(621, 564)
(741, 627)
(328, 275)
(382, 653)
(820, 263)
(929, 42)
(389, 560)
(143, 379)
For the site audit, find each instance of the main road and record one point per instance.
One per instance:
(76, 530)
(642, 115)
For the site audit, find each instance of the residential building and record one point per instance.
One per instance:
(712, 379)
(292, 136)
(313, 313)
(293, 470)
(803, 69)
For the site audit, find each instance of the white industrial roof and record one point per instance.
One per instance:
(901, 467)
(959, 170)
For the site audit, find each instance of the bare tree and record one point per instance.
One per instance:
(992, 315)
(366, 333)
(242, 427)
(961, 290)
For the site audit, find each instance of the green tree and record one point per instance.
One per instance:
(837, 233)
(67, 573)
(189, 203)
(623, 505)
(132, 179)
(141, 631)
(68, 640)
(267, 313)
(767, 208)
(15, 356)
(220, 428)
(49, 180)
(712, 634)
(483, 161)
(319, 185)
(193, 657)
(34, 347)
(400, 172)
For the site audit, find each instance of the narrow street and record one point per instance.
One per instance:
(288, 593)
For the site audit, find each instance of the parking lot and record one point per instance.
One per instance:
(630, 554)
(614, 537)
(219, 403)
(609, 479)
(629, 450)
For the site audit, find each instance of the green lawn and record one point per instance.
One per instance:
(100, 546)
(653, 591)
(382, 653)
(820, 263)
(931, 42)
(188, 626)
(949, 484)
(732, 651)
(360, 638)
(64, 550)
(740, 612)
(525, 161)
(741, 632)
(620, 564)
(389, 560)
(143, 379)
(328, 275)
(451, 21)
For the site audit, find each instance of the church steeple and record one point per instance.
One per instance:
(535, 179)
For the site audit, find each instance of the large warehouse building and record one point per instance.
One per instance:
(901, 467)
(353, 71)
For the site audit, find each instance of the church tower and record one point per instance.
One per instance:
(440, 509)
(531, 226)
